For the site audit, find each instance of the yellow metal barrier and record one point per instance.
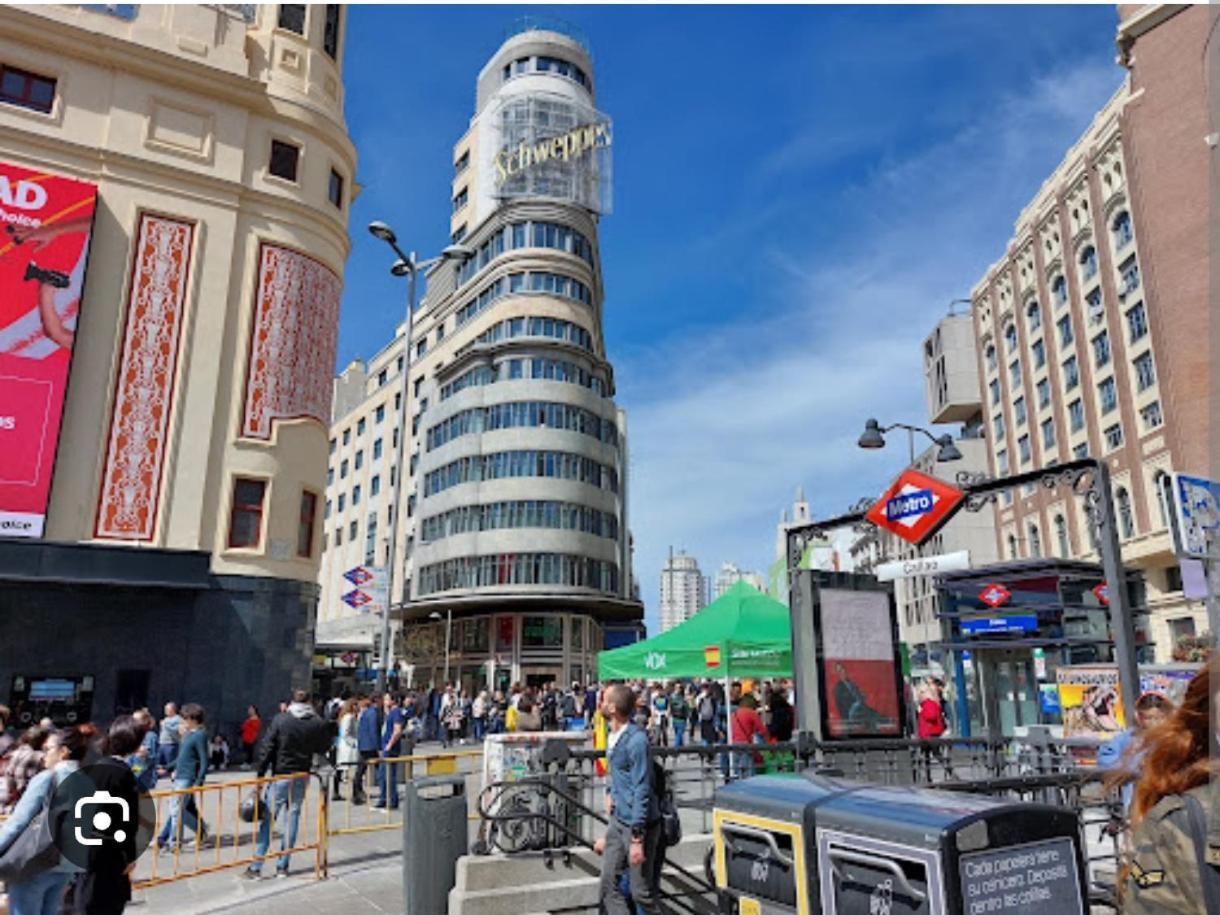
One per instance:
(347, 818)
(227, 840)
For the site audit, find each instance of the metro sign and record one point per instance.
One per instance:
(1102, 593)
(358, 576)
(357, 599)
(915, 506)
(994, 595)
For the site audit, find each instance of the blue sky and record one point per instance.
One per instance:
(798, 193)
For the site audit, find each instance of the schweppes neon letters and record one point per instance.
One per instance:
(568, 146)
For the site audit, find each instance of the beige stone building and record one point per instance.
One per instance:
(184, 528)
(513, 535)
(1092, 330)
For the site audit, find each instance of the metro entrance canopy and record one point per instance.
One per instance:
(743, 633)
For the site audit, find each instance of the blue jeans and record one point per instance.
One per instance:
(166, 754)
(40, 895)
(679, 731)
(281, 795)
(181, 807)
(387, 781)
(480, 728)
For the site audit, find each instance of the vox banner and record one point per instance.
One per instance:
(45, 223)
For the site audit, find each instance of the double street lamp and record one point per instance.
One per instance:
(874, 437)
(407, 266)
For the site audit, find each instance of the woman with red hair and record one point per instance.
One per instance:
(1175, 812)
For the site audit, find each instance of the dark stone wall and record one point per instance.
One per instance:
(240, 640)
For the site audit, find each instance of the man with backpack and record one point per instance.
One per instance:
(633, 840)
(679, 711)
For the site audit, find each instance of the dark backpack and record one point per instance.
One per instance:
(671, 823)
(678, 708)
(707, 709)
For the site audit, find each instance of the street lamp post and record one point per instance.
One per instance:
(407, 266)
(873, 436)
(435, 615)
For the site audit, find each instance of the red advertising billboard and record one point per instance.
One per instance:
(859, 665)
(45, 222)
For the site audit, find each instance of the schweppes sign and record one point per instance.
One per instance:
(579, 141)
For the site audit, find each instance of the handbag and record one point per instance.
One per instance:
(34, 851)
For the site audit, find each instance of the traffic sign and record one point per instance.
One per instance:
(915, 506)
(994, 595)
(923, 565)
(1197, 504)
(1102, 593)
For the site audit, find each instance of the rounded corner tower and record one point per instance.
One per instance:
(515, 530)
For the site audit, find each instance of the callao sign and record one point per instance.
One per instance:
(915, 506)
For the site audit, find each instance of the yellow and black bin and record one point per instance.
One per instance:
(817, 845)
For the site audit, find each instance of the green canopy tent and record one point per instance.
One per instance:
(743, 633)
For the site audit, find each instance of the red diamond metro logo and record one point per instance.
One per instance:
(994, 595)
(915, 506)
(1102, 593)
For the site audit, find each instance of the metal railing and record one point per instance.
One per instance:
(227, 840)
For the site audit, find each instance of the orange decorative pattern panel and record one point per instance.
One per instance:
(144, 392)
(292, 350)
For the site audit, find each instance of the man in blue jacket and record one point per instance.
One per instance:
(633, 837)
(368, 740)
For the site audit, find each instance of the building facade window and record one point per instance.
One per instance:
(1130, 276)
(355, 495)
(1065, 330)
(1107, 393)
(375, 486)
(1137, 323)
(1122, 230)
(1035, 542)
(334, 189)
(519, 569)
(509, 464)
(342, 502)
(1071, 374)
(1018, 409)
(351, 531)
(522, 414)
(347, 436)
(1023, 449)
(1059, 290)
(1033, 316)
(460, 201)
(1094, 308)
(377, 449)
(370, 539)
(990, 356)
(1126, 518)
(1061, 537)
(1044, 392)
(1101, 349)
(27, 90)
(359, 460)
(305, 524)
(520, 514)
(360, 427)
(283, 160)
(343, 469)
(1151, 416)
(1076, 414)
(1012, 546)
(462, 163)
(1145, 375)
(993, 387)
(997, 423)
(1081, 451)
(1001, 461)
(1114, 436)
(1162, 483)
(292, 17)
(1010, 338)
(1014, 373)
(1039, 351)
(246, 514)
(1048, 434)
(330, 35)
(1088, 263)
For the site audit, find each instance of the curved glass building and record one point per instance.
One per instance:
(515, 535)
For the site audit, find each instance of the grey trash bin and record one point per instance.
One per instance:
(811, 844)
(434, 836)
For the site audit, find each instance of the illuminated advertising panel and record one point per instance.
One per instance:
(859, 665)
(542, 145)
(45, 223)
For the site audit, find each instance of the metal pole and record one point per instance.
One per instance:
(1211, 575)
(1122, 626)
(395, 499)
(448, 634)
(911, 446)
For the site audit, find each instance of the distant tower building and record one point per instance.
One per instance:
(729, 575)
(683, 590)
(829, 552)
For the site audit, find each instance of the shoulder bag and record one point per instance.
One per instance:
(34, 851)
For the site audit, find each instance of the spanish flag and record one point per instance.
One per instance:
(711, 656)
(599, 741)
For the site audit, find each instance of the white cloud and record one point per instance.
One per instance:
(726, 421)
